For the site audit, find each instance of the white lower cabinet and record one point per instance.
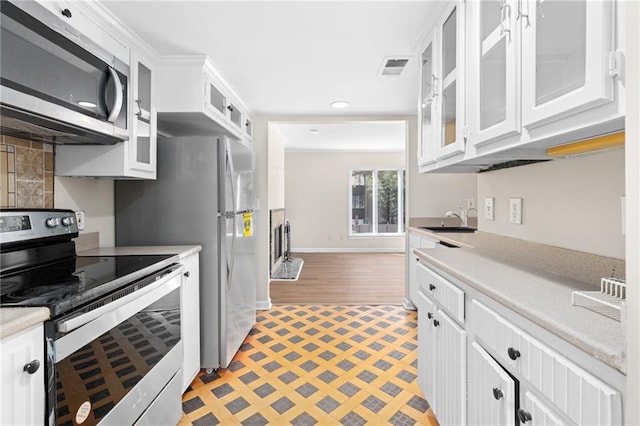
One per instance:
(442, 360)
(514, 376)
(449, 404)
(535, 413)
(22, 393)
(415, 242)
(491, 390)
(190, 319)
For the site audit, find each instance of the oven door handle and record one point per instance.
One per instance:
(88, 331)
(78, 320)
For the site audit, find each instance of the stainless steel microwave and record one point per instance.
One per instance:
(55, 89)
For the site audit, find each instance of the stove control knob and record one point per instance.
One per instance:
(51, 222)
(67, 221)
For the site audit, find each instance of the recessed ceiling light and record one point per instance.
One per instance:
(340, 104)
(314, 131)
(87, 104)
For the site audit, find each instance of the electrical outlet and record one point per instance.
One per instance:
(80, 219)
(515, 211)
(471, 203)
(488, 208)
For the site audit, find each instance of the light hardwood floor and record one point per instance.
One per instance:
(345, 279)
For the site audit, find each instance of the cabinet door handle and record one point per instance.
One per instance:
(429, 315)
(187, 274)
(513, 353)
(436, 323)
(230, 108)
(523, 416)
(32, 367)
(66, 13)
(497, 393)
(432, 287)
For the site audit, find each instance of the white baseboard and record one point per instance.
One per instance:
(263, 305)
(347, 250)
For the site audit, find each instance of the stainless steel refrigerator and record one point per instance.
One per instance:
(204, 194)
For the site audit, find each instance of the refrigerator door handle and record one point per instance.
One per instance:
(232, 176)
(231, 262)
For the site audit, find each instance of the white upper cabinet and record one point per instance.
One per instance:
(565, 58)
(196, 100)
(134, 158)
(143, 141)
(512, 78)
(442, 89)
(493, 51)
(450, 88)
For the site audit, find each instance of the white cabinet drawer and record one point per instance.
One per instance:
(575, 392)
(450, 297)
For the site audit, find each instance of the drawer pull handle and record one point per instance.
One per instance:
(429, 315)
(436, 323)
(66, 13)
(523, 416)
(497, 393)
(513, 353)
(32, 367)
(187, 274)
(432, 287)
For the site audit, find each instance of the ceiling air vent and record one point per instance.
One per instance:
(393, 66)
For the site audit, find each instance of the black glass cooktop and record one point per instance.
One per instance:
(70, 283)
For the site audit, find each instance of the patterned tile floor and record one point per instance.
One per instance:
(317, 365)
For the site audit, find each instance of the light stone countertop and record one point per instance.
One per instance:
(460, 239)
(182, 251)
(15, 320)
(541, 297)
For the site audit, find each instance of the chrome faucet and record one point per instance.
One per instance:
(463, 216)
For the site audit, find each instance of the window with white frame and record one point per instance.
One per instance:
(376, 202)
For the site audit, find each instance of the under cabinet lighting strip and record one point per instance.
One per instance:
(601, 142)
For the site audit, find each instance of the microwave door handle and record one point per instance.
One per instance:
(117, 102)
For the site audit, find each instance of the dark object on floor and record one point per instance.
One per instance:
(289, 270)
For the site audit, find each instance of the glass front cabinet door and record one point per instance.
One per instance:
(428, 107)
(450, 81)
(566, 48)
(493, 45)
(142, 146)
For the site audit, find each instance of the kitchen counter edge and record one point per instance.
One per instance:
(15, 320)
(181, 251)
(540, 297)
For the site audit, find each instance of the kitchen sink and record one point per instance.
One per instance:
(460, 229)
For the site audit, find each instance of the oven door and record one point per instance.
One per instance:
(119, 360)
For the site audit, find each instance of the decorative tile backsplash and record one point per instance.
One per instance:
(26, 173)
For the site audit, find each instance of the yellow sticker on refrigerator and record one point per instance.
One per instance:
(248, 225)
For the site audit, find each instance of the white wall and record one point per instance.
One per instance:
(632, 409)
(574, 203)
(317, 199)
(95, 197)
(261, 216)
(276, 168)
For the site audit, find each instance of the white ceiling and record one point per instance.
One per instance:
(288, 58)
(369, 136)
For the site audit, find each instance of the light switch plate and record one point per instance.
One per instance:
(488, 208)
(515, 211)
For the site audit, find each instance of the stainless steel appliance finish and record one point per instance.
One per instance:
(113, 344)
(54, 89)
(203, 190)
